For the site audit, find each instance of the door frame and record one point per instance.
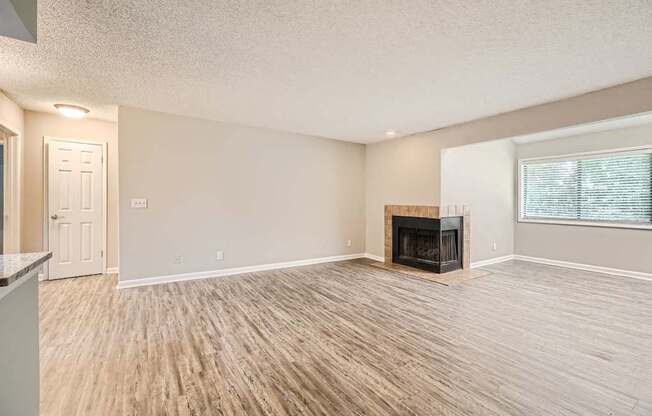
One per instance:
(12, 187)
(46, 209)
(4, 141)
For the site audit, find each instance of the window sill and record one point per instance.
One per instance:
(587, 223)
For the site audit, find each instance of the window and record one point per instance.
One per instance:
(609, 189)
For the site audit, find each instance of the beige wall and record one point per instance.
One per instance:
(407, 170)
(606, 247)
(261, 196)
(38, 125)
(11, 115)
(481, 176)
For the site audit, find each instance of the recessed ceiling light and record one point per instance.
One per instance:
(71, 111)
(390, 133)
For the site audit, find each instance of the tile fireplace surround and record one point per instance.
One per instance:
(424, 211)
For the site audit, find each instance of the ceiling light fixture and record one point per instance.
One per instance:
(390, 133)
(71, 111)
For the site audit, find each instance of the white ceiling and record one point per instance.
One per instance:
(339, 69)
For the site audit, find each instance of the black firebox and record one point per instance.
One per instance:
(428, 243)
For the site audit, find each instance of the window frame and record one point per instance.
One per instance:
(577, 156)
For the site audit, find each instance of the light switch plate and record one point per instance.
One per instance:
(138, 202)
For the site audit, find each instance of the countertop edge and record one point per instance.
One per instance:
(7, 281)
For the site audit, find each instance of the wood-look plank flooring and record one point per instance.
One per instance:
(350, 339)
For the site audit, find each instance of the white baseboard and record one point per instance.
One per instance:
(373, 257)
(587, 267)
(112, 270)
(494, 260)
(157, 280)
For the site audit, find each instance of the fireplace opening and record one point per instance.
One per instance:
(427, 243)
(418, 245)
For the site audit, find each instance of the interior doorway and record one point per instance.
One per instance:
(75, 207)
(2, 194)
(10, 183)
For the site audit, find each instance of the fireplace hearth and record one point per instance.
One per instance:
(432, 244)
(432, 238)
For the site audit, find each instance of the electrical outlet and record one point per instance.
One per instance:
(494, 246)
(178, 260)
(138, 202)
(220, 255)
(348, 243)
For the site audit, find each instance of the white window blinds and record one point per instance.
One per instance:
(607, 187)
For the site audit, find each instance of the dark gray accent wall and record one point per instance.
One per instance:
(19, 350)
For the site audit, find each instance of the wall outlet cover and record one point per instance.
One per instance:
(138, 203)
(220, 255)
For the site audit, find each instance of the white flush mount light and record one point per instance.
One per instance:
(71, 111)
(390, 133)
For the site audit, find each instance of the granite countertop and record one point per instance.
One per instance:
(15, 266)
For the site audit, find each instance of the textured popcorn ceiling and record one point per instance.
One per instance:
(340, 69)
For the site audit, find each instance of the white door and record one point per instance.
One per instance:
(75, 193)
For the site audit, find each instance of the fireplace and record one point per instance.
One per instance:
(432, 244)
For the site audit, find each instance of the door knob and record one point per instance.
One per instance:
(54, 217)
